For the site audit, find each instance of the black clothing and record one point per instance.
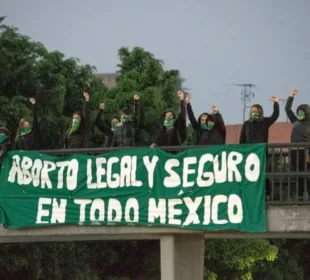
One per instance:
(301, 128)
(125, 133)
(258, 131)
(106, 131)
(80, 138)
(174, 136)
(5, 143)
(215, 136)
(30, 141)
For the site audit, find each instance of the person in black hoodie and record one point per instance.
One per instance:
(256, 129)
(5, 143)
(77, 136)
(27, 135)
(300, 133)
(173, 132)
(106, 131)
(126, 130)
(210, 128)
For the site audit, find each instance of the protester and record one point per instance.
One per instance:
(5, 143)
(256, 129)
(77, 135)
(106, 131)
(300, 133)
(173, 132)
(126, 130)
(27, 135)
(210, 128)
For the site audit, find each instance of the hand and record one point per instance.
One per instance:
(101, 106)
(275, 99)
(136, 97)
(214, 109)
(153, 145)
(86, 96)
(294, 92)
(32, 101)
(180, 95)
(188, 99)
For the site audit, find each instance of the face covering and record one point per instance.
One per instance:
(3, 138)
(125, 118)
(24, 130)
(75, 125)
(254, 116)
(113, 126)
(203, 126)
(301, 115)
(168, 123)
(210, 126)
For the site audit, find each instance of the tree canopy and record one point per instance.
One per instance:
(28, 69)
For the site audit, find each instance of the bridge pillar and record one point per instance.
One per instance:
(182, 257)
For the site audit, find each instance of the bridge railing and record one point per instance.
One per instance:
(288, 169)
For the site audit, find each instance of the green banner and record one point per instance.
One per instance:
(213, 188)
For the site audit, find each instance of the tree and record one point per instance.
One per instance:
(234, 259)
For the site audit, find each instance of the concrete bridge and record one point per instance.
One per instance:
(182, 251)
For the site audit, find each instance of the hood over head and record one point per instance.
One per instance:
(260, 109)
(306, 109)
(171, 111)
(209, 117)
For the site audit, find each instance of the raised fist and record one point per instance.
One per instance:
(32, 100)
(294, 92)
(136, 97)
(180, 94)
(188, 98)
(275, 99)
(214, 109)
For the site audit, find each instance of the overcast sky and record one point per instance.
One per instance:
(212, 42)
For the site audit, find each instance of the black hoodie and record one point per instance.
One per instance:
(258, 131)
(80, 138)
(301, 128)
(177, 135)
(106, 131)
(30, 141)
(216, 136)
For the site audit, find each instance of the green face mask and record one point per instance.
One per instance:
(169, 123)
(75, 125)
(125, 118)
(113, 126)
(210, 126)
(254, 116)
(3, 138)
(24, 130)
(203, 126)
(301, 115)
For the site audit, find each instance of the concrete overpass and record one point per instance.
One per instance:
(182, 251)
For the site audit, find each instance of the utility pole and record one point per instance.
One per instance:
(246, 95)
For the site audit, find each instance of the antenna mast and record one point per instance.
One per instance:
(246, 95)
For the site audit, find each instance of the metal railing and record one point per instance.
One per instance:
(287, 177)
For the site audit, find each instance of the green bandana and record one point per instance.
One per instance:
(210, 126)
(25, 130)
(75, 125)
(3, 138)
(125, 118)
(254, 116)
(301, 115)
(169, 123)
(113, 127)
(203, 126)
